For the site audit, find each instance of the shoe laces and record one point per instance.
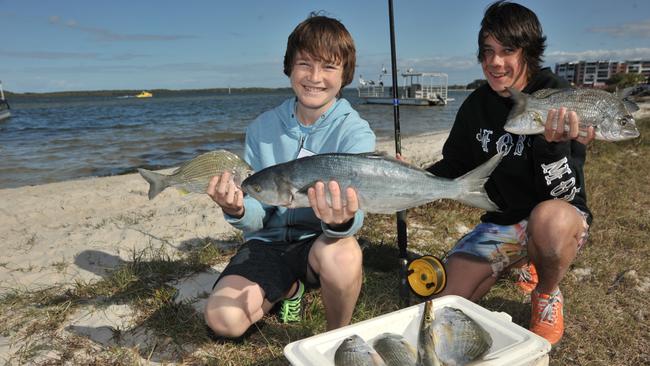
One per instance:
(524, 274)
(547, 308)
(290, 309)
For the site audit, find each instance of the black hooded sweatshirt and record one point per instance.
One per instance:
(532, 170)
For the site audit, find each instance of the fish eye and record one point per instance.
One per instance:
(257, 188)
(622, 121)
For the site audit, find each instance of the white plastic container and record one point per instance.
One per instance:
(511, 344)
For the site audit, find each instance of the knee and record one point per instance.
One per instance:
(225, 322)
(343, 257)
(348, 255)
(552, 216)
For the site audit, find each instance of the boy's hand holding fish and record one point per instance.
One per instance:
(555, 131)
(339, 212)
(223, 190)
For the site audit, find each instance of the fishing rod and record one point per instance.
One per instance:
(402, 238)
(425, 275)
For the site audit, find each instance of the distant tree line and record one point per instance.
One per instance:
(170, 92)
(623, 80)
(155, 92)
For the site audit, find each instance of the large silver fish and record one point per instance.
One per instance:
(611, 116)
(383, 184)
(354, 351)
(459, 339)
(395, 350)
(426, 338)
(195, 174)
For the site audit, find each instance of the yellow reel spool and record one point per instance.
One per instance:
(426, 275)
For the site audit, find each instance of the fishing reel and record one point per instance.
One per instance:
(426, 275)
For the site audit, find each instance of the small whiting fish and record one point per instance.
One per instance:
(383, 184)
(459, 339)
(611, 116)
(195, 174)
(354, 351)
(426, 338)
(395, 350)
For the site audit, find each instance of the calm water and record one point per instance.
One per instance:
(55, 139)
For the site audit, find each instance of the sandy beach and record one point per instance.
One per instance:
(74, 231)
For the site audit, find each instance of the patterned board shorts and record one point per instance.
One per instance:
(503, 245)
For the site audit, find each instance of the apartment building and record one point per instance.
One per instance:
(595, 73)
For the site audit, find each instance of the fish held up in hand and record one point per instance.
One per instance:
(354, 351)
(382, 184)
(610, 115)
(195, 174)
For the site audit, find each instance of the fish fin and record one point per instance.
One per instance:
(545, 93)
(630, 106)
(473, 182)
(626, 92)
(305, 188)
(521, 102)
(157, 182)
(183, 191)
(377, 155)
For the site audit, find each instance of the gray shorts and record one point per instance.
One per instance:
(274, 266)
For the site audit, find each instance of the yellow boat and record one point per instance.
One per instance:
(144, 94)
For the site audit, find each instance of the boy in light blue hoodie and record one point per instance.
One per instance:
(287, 249)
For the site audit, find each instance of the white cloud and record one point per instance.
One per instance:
(635, 30)
(639, 53)
(100, 34)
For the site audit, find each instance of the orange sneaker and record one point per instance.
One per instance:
(527, 280)
(547, 316)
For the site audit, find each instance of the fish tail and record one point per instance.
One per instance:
(521, 102)
(472, 183)
(157, 182)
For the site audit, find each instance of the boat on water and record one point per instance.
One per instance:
(5, 110)
(144, 94)
(417, 88)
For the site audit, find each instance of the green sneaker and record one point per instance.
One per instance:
(290, 311)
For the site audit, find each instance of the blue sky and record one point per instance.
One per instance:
(118, 44)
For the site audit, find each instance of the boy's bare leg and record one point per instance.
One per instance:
(338, 262)
(467, 276)
(234, 305)
(554, 230)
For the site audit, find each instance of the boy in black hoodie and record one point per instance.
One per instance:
(539, 184)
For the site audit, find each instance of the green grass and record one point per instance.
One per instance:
(606, 311)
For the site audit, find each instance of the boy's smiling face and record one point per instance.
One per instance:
(503, 66)
(316, 84)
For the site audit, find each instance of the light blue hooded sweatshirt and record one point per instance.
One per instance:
(276, 137)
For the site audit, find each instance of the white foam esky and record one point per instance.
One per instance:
(91, 45)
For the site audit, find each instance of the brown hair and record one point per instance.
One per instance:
(325, 39)
(516, 26)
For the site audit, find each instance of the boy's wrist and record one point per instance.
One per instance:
(341, 227)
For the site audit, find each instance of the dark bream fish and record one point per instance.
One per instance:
(383, 184)
(395, 350)
(195, 174)
(354, 351)
(610, 115)
(459, 339)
